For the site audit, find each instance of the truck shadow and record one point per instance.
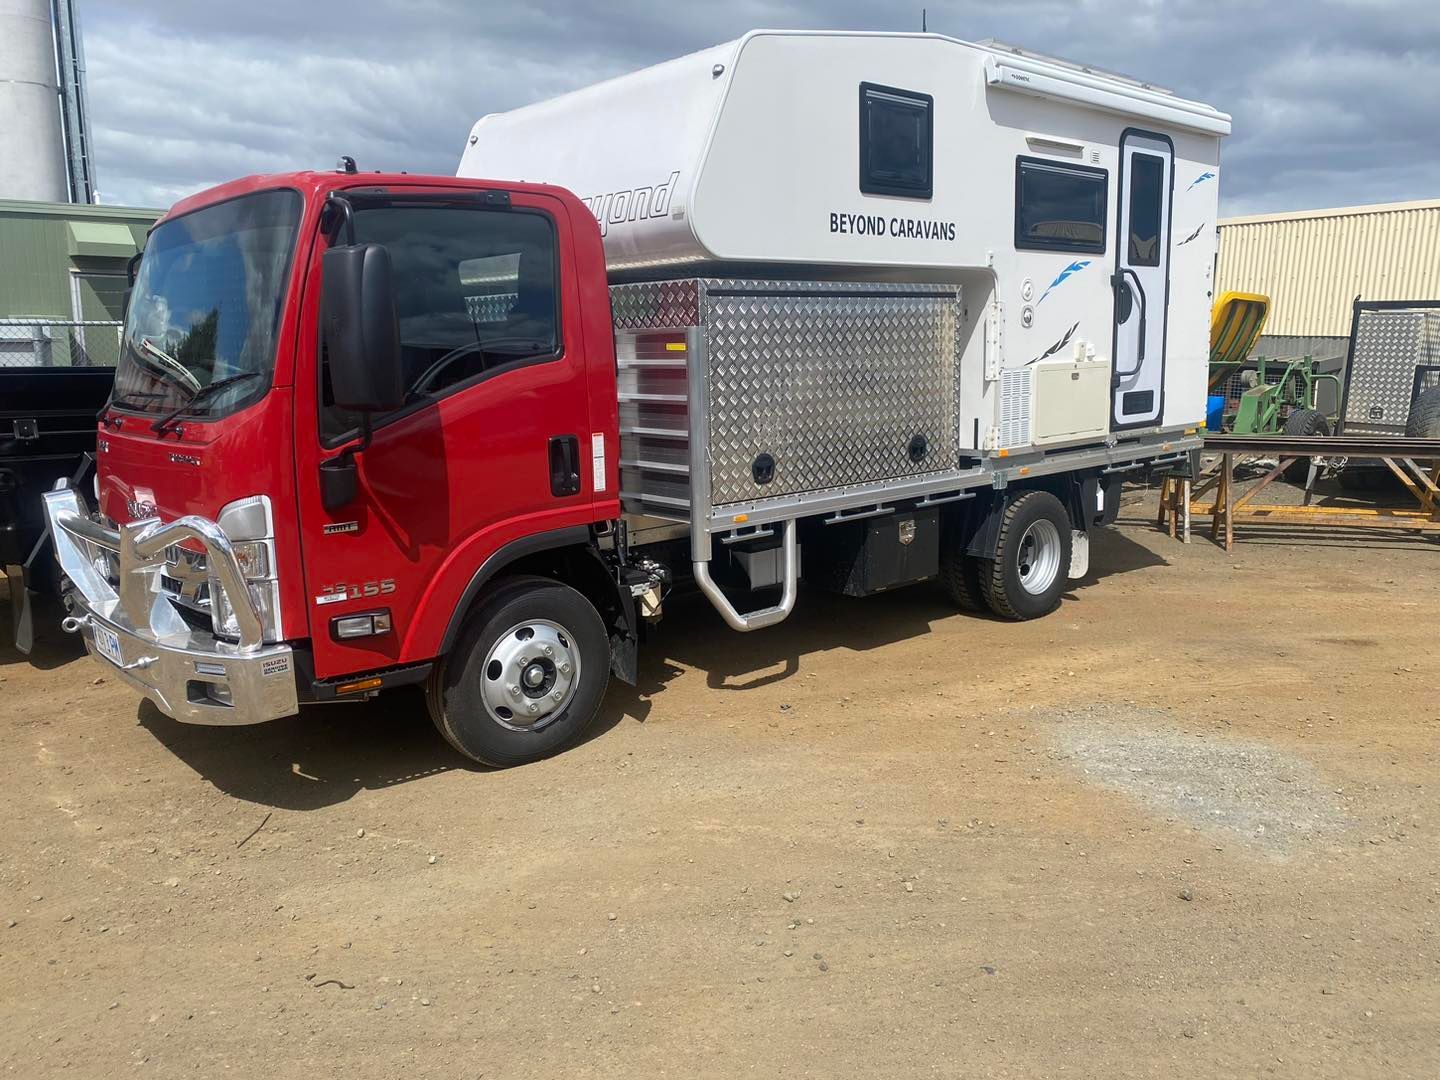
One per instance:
(320, 757)
(53, 647)
(328, 753)
(693, 637)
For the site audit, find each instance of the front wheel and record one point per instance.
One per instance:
(527, 675)
(1032, 558)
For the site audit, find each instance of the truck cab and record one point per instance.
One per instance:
(346, 404)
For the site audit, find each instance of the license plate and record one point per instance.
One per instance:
(107, 644)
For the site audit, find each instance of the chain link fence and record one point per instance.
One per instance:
(59, 343)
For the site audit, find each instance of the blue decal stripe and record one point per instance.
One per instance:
(1201, 179)
(1073, 268)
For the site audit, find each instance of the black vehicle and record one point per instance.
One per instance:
(47, 431)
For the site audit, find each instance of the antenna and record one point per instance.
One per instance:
(923, 28)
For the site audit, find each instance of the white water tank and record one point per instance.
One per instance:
(32, 142)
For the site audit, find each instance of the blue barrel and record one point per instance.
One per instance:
(1214, 412)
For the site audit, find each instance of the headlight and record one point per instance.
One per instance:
(254, 559)
(250, 525)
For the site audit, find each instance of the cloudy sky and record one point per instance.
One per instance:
(1335, 101)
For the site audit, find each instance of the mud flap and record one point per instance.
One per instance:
(22, 610)
(1079, 554)
(624, 658)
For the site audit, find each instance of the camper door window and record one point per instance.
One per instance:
(1059, 207)
(896, 140)
(1147, 192)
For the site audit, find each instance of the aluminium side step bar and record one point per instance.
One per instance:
(755, 620)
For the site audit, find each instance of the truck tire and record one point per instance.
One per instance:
(1424, 420)
(1303, 422)
(960, 575)
(527, 675)
(1032, 558)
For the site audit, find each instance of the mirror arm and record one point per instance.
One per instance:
(361, 443)
(339, 478)
(346, 216)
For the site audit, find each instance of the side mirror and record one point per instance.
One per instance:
(132, 270)
(362, 329)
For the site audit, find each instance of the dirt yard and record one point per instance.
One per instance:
(1186, 827)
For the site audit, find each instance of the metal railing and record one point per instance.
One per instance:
(59, 343)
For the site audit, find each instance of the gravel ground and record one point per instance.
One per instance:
(880, 839)
(1236, 790)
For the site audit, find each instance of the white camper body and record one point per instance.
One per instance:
(1075, 209)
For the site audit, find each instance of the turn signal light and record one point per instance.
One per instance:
(358, 685)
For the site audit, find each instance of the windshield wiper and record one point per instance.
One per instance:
(160, 426)
(178, 372)
(126, 401)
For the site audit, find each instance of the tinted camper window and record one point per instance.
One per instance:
(1147, 193)
(1059, 207)
(896, 139)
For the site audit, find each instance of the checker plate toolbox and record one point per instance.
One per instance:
(735, 393)
(1394, 356)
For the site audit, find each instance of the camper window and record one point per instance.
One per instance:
(1147, 189)
(1059, 207)
(896, 139)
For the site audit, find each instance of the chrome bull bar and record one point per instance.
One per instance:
(190, 674)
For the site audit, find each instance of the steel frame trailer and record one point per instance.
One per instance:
(1414, 462)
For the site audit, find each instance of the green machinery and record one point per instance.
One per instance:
(1278, 396)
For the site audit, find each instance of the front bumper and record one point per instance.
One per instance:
(136, 632)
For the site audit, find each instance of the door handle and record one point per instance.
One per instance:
(1118, 281)
(564, 465)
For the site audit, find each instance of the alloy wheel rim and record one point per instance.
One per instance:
(530, 675)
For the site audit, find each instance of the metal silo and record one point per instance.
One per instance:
(44, 142)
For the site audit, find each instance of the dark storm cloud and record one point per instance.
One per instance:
(1334, 102)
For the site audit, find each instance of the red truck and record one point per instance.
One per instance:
(375, 430)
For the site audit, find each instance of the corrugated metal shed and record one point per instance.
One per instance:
(1313, 263)
(66, 260)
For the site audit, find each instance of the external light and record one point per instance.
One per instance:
(366, 624)
(254, 559)
(359, 685)
(250, 526)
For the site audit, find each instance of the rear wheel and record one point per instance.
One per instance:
(960, 575)
(1303, 422)
(1032, 558)
(527, 675)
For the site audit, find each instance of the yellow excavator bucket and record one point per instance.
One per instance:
(1235, 324)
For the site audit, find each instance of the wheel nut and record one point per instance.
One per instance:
(534, 707)
(555, 696)
(564, 669)
(549, 651)
(514, 691)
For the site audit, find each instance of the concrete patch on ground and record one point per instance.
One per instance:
(1270, 800)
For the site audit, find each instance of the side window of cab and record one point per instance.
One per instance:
(476, 291)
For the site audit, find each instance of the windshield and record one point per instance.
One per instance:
(206, 305)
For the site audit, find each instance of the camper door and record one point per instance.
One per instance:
(1142, 277)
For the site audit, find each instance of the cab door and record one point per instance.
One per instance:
(1141, 280)
(488, 447)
